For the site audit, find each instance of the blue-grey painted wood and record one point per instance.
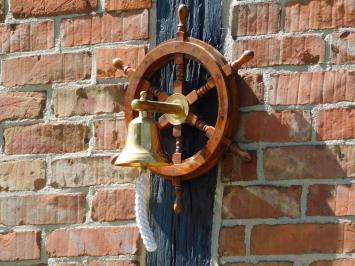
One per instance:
(186, 239)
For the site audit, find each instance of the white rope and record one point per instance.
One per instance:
(142, 214)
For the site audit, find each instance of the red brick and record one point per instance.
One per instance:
(251, 89)
(99, 241)
(254, 19)
(82, 172)
(261, 202)
(127, 4)
(342, 47)
(312, 87)
(302, 239)
(46, 138)
(105, 28)
(268, 263)
(95, 99)
(26, 37)
(283, 50)
(131, 56)
(36, 8)
(336, 124)
(304, 162)
(335, 262)
(45, 69)
(240, 264)
(22, 175)
(67, 264)
(331, 200)
(112, 263)
(110, 134)
(24, 245)
(43, 209)
(231, 241)
(111, 205)
(315, 14)
(2, 11)
(234, 169)
(275, 126)
(21, 105)
(283, 263)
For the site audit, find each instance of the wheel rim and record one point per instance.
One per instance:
(208, 156)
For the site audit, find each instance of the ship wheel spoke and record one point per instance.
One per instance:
(231, 145)
(163, 122)
(193, 120)
(228, 69)
(179, 86)
(195, 95)
(231, 69)
(146, 85)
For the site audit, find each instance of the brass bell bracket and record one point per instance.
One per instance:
(176, 107)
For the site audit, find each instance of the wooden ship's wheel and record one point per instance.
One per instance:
(222, 79)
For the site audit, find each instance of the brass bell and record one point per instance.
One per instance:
(142, 147)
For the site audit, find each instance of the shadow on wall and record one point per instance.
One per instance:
(296, 193)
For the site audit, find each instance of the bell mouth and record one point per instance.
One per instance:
(142, 165)
(137, 158)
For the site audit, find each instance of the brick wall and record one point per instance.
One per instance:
(293, 204)
(61, 103)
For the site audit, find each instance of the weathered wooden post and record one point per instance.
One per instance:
(185, 239)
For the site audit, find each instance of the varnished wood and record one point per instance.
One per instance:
(154, 90)
(231, 145)
(179, 190)
(222, 79)
(163, 122)
(232, 68)
(204, 160)
(118, 63)
(179, 87)
(229, 69)
(203, 126)
(183, 13)
(194, 95)
(243, 59)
